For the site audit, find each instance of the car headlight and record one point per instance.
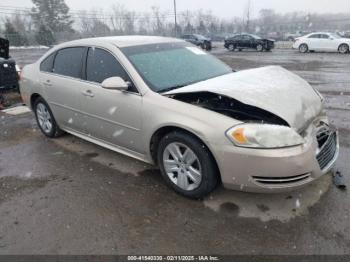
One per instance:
(264, 136)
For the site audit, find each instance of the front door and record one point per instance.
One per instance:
(110, 115)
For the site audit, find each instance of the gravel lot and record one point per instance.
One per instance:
(67, 196)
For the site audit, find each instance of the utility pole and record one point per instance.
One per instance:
(175, 18)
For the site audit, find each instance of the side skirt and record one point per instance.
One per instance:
(109, 146)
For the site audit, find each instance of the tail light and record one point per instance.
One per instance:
(19, 72)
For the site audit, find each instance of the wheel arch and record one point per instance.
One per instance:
(303, 43)
(163, 131)
(33, 98)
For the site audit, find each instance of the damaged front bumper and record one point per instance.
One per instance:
(279, 170)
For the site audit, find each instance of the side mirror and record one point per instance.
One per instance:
(115, 83)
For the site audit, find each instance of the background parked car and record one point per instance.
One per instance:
(8, 69)
(277, 36)
(345, 34)
(198, 40)
(321, 41)
(249, 41)
(293, 36)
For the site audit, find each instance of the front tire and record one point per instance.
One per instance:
(187, 165)
(343, 49)
(45, 119)
(303, 48)
(259, 48)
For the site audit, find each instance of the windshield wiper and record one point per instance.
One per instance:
(170, 88)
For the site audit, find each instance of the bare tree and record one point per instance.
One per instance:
(117, 19)
(158, 22)
(144, 24)
(129, 22)
(94, 24)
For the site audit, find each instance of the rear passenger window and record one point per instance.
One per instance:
(314, 36)
(101, 65)
(47, 64)
(68, 62)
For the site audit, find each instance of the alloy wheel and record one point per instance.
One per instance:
(343, 49)
(182, 166)
(303, 48)
(44, 117)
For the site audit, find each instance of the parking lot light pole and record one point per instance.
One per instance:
(175, 18)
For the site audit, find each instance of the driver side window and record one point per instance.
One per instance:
(101, 65)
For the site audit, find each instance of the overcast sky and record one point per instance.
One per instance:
(223, 8)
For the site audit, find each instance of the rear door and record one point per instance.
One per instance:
(61, 79)
(193, 39)
(110, 115)
(246, 41)
(314, 42)
(238, 40)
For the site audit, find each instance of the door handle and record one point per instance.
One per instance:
(88, 93)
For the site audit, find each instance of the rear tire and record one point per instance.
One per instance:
(303, 48)
(231, 47)
(45, 119)
(343, 49)
(193, 174)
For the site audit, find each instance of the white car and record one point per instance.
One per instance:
(322, 42)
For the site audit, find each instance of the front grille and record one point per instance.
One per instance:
(281, 180)
(328, 149)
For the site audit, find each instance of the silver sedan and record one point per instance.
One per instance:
(166, 102)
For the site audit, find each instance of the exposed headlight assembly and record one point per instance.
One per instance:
(264, 136)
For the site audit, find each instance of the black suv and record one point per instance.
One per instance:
(8, 71)
(249, 41)
(198, 40)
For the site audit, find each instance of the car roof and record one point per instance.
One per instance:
(122, 41)
(320, 33)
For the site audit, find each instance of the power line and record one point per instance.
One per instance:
(100, 15)
(84, 13)
(103, 17)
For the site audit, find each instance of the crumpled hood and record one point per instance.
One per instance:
(271, 88)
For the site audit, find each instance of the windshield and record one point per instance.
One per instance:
(173, 65)
(335, 36)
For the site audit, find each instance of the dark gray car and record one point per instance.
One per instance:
(198, 40)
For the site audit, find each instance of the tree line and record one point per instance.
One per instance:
(51, 21)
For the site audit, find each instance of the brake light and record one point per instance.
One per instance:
(19, 72)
